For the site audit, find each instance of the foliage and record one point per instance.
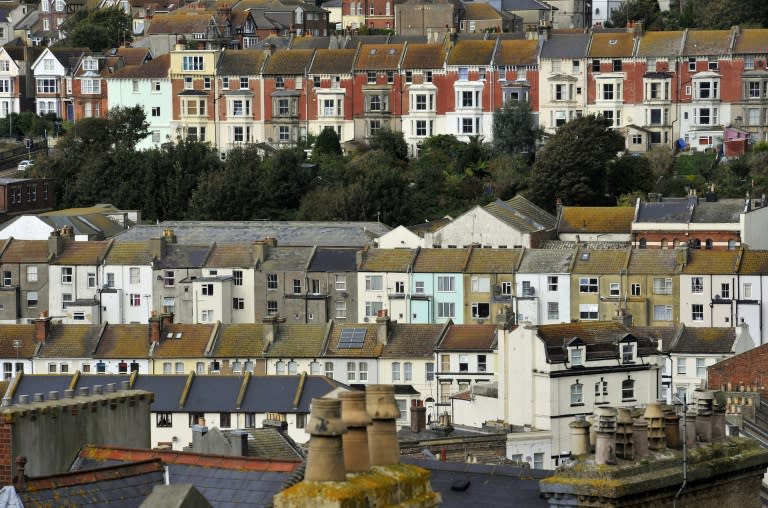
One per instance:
(716, 14)
(629, 174)
(645, 11)
(514, 130)
(389, 142)
(572, 164)
(327, 143)
(99, 29)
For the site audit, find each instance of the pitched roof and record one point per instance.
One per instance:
(70, 341)
(565, 46)
(669, 211)
(184, 256)
(182, 21)
(130, 253)
(718, 212)
(652, 261)
(24, 334)
(387, 260)
(92, 222)
(599, 261)
(286, 259)
(82, 253)
(237, 255)
(412, 340)
(546, 261)
(269, 443)
(134, 56)
(194, 339)
(370, 345)
(612, 45)
(424, 56)
(596, 219)
(239, 340)
(246, 62)
(600, 337)
(379, 56)
(25, 251)
(658, 44)
(123, 341)
(469, 338)
(468, 52)
(517, 52)
(480, 11)
(751, 41)
(297, 341)
(293, 62)
(333, 260)
(441, 261)
(754, 262)
(712, 261)
(333, 61)
(703, 340)
(155, 68)
(707, 43)
(493, 260)
(522, 214)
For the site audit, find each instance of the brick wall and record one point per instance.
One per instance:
(6, 454)
(747, 368)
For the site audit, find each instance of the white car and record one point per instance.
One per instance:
(25, 164)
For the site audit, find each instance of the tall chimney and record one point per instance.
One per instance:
(42, 327)
(270, 328)
(55, 243)
(261, 248)
(382, 326)
(418, 416)
(157, 247)
(166, 320)
(155, 327)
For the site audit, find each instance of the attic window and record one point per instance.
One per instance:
(613, 42)
(585, 256)
(392, 51)
(178, 335)
(373, 51)
(169, 336)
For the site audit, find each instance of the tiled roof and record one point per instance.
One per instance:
(186, 21)
(379, 56)
(480, 11)
(239, 340)
(471, 53)
(522, 214)
(124, 341)
(751, 41)
(26, 251)
(711, 261)
(424, 56)
(441, 261)
(493, 260)
(704, 340)
(565, 46)
(656, 43)
(286, 259)
(517, 52)
(469, 338)
(333, 61)
(235, 255)
(192, 343)
(596, 219)
(412, 340)
(371, 348)
(600, 337)
(134, 56)
(71, 341)
(546, 261)
(612, 45)
(596, 261)
(82, 253)
(297, 341)
(754, 262)
(430, 226)
(707, 42)
(292, 62)
(246, 62)
(93, 223)
(387, 260)
(25, 334)
(130, 253)
(652, 261)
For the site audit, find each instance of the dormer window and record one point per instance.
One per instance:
(90, 64)
(576, 357)
(628, 349)
(577, 352)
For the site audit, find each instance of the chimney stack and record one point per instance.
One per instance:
(155, 327)
(270, 328)
(261, 248)
(68, 232)
(166, 320)
(382, 327)
(418, 416)
(42, 327)
(55, 243)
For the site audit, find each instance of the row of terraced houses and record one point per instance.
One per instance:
(695, 89)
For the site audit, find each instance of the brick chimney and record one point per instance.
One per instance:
(55, 243)
(155, 327)
(166, 320)
(42, 327)
(68, 232)
(382, 326)
(418, 416)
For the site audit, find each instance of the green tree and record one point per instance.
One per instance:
(572, 164)
(127, 126)
(645, 11)
(389, 142)
(99, 29)
(514, 129)
(629, 174)
(327, 143)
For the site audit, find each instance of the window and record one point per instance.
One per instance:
(271, 281)
(194, 107)
(167, 367)
(134, 300)
(614, 289)
(315, 286)
(747, 293)
(553, 311)
(329, 369)
(47, 86)
(428, 76)
(351, 371)
(552, 283)
(31, 298)
(601, 391)
(463, 73)
(429, 372)
(725, 291)
(192, 63)
(407, 371)
(681, 366)
(31, 274)
(169, 279)
(445, 284)
(463, 363)
(588, 285)
(91, 86)
(395, 371)
(238, 303)
(374, 126)
(399, 287)
(225, 420)
(596, 65)
(506, 288)
(195, 418)
(372, 308)
(577, 394)
(271, 307)
(697, 285)
(662, 286)
(371, 77)
(576, 357)
(697, 312)
(662, 312)
(616, 65)
(691, 63)
(237, 277)
(628, 389)
(66, 275)
(445, 363)
(207, 289)
(390, 77)
(206, 315)
(628, 352)
(7, 279)
(164, 420)
(374, 283)
(481, 310)
(637, 139)
(419, 287)
(481, 284)
(340, 307)
(340, 282)
(296, 286)
(482, 363)
(78, 316)
(446, 310)
(635, 289)
(134, 275)
(608, 91)
(588, 311)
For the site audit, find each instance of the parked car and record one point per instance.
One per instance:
(25, 164)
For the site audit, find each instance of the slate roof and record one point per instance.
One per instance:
(25, 334)
(600, 337)
(370, 349)
(412, 340)
(130, 253)
(25, 251)
(311, 42)
(379, 56)
(697, 340)
(82, 253)
(712, 261)
(493, 260)
(330, 234)
(565, 46)
(612, 45)
(546, 261)
(751, 41)
(184, 256)
(522, 214)
(294, 62)
(387, 260)
(155, 68)
(246, 62)
(754, 262)
(123, 342)
(70, 341)
(269, 443)
(286, 259)
(707, 43)
(656, 43)
(121, 485)
(526, 5)
(673, 211)
(600, 261)
(333, 260)
(652, 261)
(92, 222)
(297, 341)
(332, 61)
(276, 393)
(231, 256)
(517, 52)
(424, 56)
(441, 261)
(468, 52)
(469, 338)
(718, 212)
(596, 219)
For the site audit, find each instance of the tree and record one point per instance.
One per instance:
(128, 126)
(327, 143)
(389, 142)
(645, 11)
(99, 29)
(572, 164)
(513, 129)
(629, 174)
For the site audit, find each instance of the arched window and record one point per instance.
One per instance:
(280, 367)
(293, 367)
(664, 244)
(708, 243)
(697, 244)
(628, 389)
(577, 393)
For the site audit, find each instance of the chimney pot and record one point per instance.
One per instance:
(111, 387)
(38, 397)
(53, 395)
(69, 394)
(21, 463)
(23, 399)
(125, 385)
(84, 391)
(98, 389)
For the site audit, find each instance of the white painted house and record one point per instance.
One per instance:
(543, 286)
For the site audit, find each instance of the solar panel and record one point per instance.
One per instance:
(352, 338)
